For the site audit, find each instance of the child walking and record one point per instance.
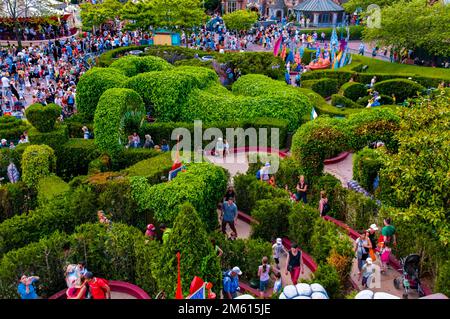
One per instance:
(263, 273)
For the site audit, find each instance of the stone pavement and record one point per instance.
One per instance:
(342, 170)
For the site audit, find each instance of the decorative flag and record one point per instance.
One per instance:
(317, 52)
(283, 52)
(179, 293)
(199, 294)
(313, 114)
(290, 57)
(276, 47)
(336, 62)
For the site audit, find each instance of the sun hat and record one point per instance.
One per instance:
(369, 261)
(151, 227)
(374, 227)
(237, 270)
(279, 241)
(267, 164)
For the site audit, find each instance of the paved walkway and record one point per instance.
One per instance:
(342, 170)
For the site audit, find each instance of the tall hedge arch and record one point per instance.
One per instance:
(93, 84)
(116, 108)
(37, 161)
(317, 140)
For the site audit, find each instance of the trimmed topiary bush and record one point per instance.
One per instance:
(93, 84)
(301, 222)
(43, 118)
(272, 217)
(337, 99)
(37, 161)
(55, 139)
(384, 100)
(15, 199)
(366, 165)
(50, 187)
(325, 87)
(132, 65)
(353, 90)
(153, 168)
(117, 109)
(401, 88)
(11, 128)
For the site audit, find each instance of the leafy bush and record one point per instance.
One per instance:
(317, 140)
(443, 279)
(173, 54)
(329, 278)
(108, 57)
(301, 222)
(131, 156)
(116, 108)
(325, 87)
(366, 165)
(336, 194)
(249, 190)
(194, 62)
(55, 139)
(37, 161)
(76, 122)
(337, 99)
(401, 88)
(132, 65)
(361, 211)
(353, 90)
(15, 199)
(198, 257)
(272, 217)
(341, 76)
(50, 187)
(43, 118)
(8, 155)
(74, 157)
(384, 100)
(288, 172)
(11, 128)
(93, 84)
(202, 184)
(153, 168)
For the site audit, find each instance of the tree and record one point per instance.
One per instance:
(352, 5)
(95, 15)
(139, 14)
(240, 20)
(198, 257)
(413, 25)
(15, 9)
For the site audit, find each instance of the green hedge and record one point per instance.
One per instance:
(336, 195)
(37, 161)
(341, 76)
(8, 155)
(49, 187)
(74, 124)
(317, 140)
(173, 54)
(301, 221)
(353, 90)
(93, 84)
(401, 88)
(109, 57)
(366, 165)
(55, 139)
(15, 199)
(325, 87)
(43, 118)
(361, 211)
(249, 190)
(74, 156)
(132, 65)
(153, 168)
(119, 112)
(131, 156)
(384, 100)
(425, 81)
(272, 216)
(337, 99)
(11, 128)
(202, 184)
(194, 62)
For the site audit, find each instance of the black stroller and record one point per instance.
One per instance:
(410, 279)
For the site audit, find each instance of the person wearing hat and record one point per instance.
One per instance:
(231, 283)
(150, 232)
(371, 234)
(98, 287)
(367, 271)
(277, 250)
(263, 173)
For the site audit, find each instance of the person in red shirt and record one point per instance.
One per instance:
(98, 287)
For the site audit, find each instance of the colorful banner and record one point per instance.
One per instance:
(276, 47)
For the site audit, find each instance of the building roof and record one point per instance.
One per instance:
(318, 6)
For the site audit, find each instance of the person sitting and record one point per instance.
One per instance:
(86, 134)
(136, 140)
(164, 146)
(148, 142)
(150, 232)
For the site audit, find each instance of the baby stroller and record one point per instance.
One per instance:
(410, 279)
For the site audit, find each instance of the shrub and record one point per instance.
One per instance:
(50, 187)
(131, 156)
(198, 257)
(325, 87)
(301, 223)
(43, 118)
(443, 279)
(11, 128)
(342, 76)
(337, 99)
(288, 172)
(132, 65)
(361, 211)
(15, 199)
(8, 155)
(93, 84)
(146, 254)
(117, 109)
(194, 62)
(317, 140)
(173, 54)
(353, 90)
(37, 161)
(366, 165)
(74, 157)
(202, 184)
(328, 277)
(101, 164)
(249, 190)
(55, 139)
(153, 168)
(378, 124)
(384, 100)
(75, 124)
(401, 88)
(272, 217)
(336, 194)
(108, 57)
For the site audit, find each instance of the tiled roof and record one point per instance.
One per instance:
(318, 6)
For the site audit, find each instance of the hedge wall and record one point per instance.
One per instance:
(384, 100)
(119, 112)
(8, 155)
(93, 84)
(301, 221)
(15, 199)
(202, 184)
(153, 168)
(324, 87)
(76, 122)
(132, 65)
(337, 99)
(131, 156)
(401, 88)
(272, 216)
(43, 118)
(11, 128)
(366, 165)
(353, 90)
(49, 187)
(37, 161)
(109, 57)
(55, 139)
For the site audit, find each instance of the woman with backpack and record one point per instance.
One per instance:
(324, 207)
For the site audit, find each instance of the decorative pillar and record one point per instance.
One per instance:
(335, 15)
(316, 19)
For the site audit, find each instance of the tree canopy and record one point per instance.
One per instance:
(94, 15)
(240, 20)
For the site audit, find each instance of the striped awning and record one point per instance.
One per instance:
(318, 6)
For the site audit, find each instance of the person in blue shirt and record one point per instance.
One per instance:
(229, 215)
(26, 289)
(165, 147)
(231, 283)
